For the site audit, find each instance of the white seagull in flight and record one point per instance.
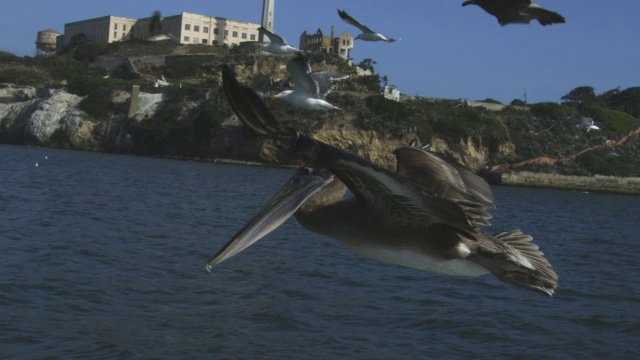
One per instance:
(588, 124)
(277, 45)
(367, 34)
(311, 88)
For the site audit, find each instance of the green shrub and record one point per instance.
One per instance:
(549, 110)
(615, 120)
(491, 101)
(63, 67)
(90, 50)
(23, 76)
(9, 58)
(598, 162)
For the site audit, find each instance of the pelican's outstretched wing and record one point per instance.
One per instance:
(247, 104)
(396, 200)
(447, 178)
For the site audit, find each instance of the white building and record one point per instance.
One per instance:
(391, 92)
(186, 28)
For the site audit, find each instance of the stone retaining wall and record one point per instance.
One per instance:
(627, 185)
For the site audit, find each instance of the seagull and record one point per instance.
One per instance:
(367, 34)
(588, 124)
(160, 37)
(276, 45)
(517, 11)
(311, 88)
(426, 215)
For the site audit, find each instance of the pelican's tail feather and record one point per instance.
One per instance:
(515, 259)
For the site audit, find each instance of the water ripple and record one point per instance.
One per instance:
(103, 257)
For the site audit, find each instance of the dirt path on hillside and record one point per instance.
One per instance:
(550, 161)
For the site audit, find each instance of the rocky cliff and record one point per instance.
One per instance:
(180, 111)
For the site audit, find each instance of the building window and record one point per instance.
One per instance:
(186, 38)
(205, 29)
(215, 31)
(196, 40)
(115, 34)
(187, 26)
(204, 41)
(124, 27)
(234, 34)
(244, 35)
(196, 28)
(115, 26)
(226, 33)
(252, 36)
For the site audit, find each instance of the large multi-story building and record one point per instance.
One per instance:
(341, 45)
(186, 28)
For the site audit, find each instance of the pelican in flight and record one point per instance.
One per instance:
(367, 34)
(276, 45)
(426, 215)
(517, 11)
(311, 87)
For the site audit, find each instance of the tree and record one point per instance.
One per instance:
(580, 95)
(517, 102)
(367, 64)
(627, 100)
(155, 25)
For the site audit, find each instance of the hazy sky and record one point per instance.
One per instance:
(446, 50)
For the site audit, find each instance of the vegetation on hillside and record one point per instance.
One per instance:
(188, 123)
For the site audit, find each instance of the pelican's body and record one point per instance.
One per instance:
(366, 33)
(276, 45)
(426, 215)
(348, 222)
(310, 88)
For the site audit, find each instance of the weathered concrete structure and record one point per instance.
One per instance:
(627, 185)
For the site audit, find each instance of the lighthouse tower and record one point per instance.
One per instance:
(267, 16)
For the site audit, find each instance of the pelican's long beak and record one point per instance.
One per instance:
(297, 190)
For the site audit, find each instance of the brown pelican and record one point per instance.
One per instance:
(424, 216)
(367, 34)
(517, 11)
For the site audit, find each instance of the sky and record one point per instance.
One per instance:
(445, 51)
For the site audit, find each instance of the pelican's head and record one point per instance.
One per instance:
(302, 185)
(469, 2)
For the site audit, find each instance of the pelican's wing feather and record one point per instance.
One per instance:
(250, 109)
(396, 200)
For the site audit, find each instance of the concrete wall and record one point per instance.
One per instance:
(627, 185)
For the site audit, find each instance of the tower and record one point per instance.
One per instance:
(267, 16)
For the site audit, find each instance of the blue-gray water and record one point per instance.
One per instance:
(102, 256)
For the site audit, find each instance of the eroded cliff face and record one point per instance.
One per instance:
(39, 117)
(237, 143)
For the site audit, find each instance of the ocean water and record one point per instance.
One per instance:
(102, 256)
